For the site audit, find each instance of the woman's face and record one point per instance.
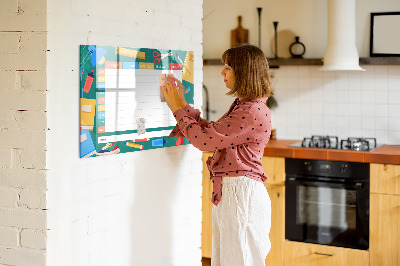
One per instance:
(229, 76)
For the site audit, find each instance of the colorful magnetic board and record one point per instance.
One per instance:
(122, 108)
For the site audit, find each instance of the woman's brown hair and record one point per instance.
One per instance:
(250, 66)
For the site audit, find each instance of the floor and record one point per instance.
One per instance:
(206, 261)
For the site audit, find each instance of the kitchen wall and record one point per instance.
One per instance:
(141, 208)
(343, 103)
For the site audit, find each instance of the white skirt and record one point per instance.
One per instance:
(241, 223)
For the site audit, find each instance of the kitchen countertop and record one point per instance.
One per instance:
(389, 154)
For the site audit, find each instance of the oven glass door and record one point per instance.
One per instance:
(327, 207)
(326, 213)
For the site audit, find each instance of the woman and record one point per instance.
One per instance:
(242, 212)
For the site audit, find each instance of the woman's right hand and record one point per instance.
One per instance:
(181, 90)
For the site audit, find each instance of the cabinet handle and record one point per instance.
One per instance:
(324, 254)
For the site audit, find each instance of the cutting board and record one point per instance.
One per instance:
(239, 35)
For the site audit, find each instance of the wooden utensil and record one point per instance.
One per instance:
(239, 35)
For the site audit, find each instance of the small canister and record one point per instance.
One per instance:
(273, 134)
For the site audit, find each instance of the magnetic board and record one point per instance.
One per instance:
(122, 108)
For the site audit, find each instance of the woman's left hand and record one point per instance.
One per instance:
(171, 95)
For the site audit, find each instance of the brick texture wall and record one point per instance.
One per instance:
(23, 125)
(57, 209)
(140, 208)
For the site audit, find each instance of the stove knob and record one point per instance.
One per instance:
(308, 166)
(343, 168)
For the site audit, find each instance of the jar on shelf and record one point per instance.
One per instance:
(297, 49)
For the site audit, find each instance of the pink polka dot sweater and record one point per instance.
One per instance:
(238, 139)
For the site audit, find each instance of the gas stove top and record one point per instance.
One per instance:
(332, 142)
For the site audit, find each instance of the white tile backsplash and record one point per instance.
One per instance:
(342, 96)
(342, 109)
(381, 110)
(382, 136)
(381, 97)
(394, 110)
(394, 97)
(314, 102)
(380, 71)
(329, 109)
(381, 83)
(367, 96)
(355, 96)
(367, 110)
(343, 103)
(292, 82)
(394, 83)
(304, 82)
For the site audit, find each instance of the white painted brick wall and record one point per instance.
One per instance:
(23, 126)
(23, 178)
(23, 15)
(33, 198)
(34, 239)
(10, 42)
(141, 208)
(8, 197)
(9, 237)
(34, 120)
(23, 218)
(23, 139)
(22, 100)
(22, 256)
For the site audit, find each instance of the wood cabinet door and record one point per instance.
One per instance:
(384, 236)
(274, 168)
(277, 233)
(304, 254)
(385, 178)
(206, 225)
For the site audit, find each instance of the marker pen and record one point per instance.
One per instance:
(134, 145)
(89, 81)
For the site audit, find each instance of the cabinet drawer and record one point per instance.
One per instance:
(297, 254)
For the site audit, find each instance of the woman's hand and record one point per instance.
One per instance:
(172, 94)
(181, 89)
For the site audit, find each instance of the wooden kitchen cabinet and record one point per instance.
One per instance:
(385, 215)
(277, 233)
(385, 178)
(384, 236)
(305, 254)
(206, 225)
(274, 168)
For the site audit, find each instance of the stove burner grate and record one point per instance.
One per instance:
(358, 144)
(332, 142)
(327, 142)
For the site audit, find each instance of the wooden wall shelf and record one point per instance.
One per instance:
(273, 63)
(380, 61)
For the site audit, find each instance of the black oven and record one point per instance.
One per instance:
(327, 202)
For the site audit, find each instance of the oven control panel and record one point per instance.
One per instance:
(337, 169)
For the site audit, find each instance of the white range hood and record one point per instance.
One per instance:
(341, 51)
